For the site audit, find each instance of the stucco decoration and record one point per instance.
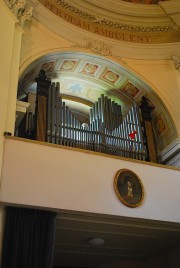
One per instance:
(19, 9)
(176, 60)
(97, 47)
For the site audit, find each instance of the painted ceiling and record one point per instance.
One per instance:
(84, 77)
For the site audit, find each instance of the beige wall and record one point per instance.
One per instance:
(52, 177)
(9, 65)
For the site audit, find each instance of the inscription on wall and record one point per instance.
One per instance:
(107, 31)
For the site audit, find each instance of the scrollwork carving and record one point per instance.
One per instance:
(176, 60)
(97, 47)
(18, 8)
(26, 15)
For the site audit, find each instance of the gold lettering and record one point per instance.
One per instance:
(78, 23)
(111, 34)
(96, 30)
(147, 39)
(141, 38)
(47, 4)
(67, 17)
(114, 34)
(59, 13)
(85, 26)
(53, 9)
(132, 38)
(103, 32)
(124, 37)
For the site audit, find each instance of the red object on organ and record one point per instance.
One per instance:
(132, 135)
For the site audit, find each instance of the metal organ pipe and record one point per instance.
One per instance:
(107, 131)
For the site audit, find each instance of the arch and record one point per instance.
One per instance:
(84, 76)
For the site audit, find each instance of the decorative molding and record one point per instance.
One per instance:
(97, 47)
(176, 60)
(19, 9)
(112, 24)
(92, 152)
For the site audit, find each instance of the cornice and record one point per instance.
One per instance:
(130, 19)
(120, 7)
(81, 38)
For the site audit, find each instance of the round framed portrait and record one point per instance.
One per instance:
(129, 188)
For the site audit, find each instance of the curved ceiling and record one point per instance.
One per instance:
(84, 77)
(116, 20)
(144, 1)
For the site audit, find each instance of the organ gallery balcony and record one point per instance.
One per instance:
(105, 131)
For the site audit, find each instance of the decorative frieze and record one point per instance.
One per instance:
(19, 9)
(112, 24)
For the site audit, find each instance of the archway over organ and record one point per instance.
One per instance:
(84, 78)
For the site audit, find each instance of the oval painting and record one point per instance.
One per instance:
(129, 188)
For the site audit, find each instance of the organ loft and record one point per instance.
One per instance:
(106, 132)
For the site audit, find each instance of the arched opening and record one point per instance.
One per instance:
(84, 77)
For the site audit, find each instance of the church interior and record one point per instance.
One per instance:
(90, 133)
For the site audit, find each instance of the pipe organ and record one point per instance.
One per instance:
(107, 132)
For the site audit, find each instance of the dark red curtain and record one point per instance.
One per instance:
(28, 238)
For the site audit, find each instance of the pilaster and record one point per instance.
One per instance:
(13, 16)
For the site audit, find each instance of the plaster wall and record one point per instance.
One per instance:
(9, 65)
(52, 177)
(38, 41)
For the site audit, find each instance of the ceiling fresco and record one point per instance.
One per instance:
(84, 77)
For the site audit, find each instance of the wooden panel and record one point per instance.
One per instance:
(41, 119)
(150, 141)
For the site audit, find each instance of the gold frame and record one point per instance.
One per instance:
(127, 199)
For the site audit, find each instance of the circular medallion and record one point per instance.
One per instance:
(129, 188)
